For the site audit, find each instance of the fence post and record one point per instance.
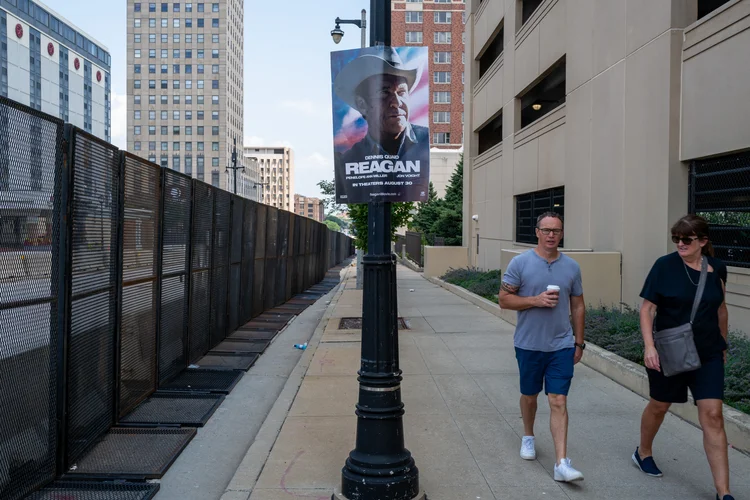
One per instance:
(161, 189)
(189, 275)
(119, 256)
(65, 256)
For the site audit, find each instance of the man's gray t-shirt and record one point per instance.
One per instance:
(542, 328)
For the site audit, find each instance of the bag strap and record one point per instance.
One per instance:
(701, 287)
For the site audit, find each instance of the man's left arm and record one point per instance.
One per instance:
(578, 313)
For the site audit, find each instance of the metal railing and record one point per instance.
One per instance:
(115, 275)
(414, 247)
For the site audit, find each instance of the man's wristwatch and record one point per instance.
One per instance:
(582, 346)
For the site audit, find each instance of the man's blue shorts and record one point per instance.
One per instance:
(555, 369)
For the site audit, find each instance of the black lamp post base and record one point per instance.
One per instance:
(337, 495)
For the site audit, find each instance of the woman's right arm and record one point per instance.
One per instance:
(650, 356)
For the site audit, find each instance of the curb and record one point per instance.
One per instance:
(251, 467)
(626, 373)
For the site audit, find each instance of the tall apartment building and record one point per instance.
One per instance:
(185, 86)
(49, 64)
(309, 207)
(622, 116)
(439, 25)
(276, 170)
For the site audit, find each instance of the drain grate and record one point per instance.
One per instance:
(90, 490)
(204, 380)
(228, 362)
(356, 324)
(240, 347)
(192, 410)
(133, 453)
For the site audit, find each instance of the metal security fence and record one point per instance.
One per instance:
(720, 192)
(115, 275)
(414, 247)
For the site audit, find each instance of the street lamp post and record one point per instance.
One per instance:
(380, 467)
(337, 33)
(234, 164)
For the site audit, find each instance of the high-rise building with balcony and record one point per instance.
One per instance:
(276, 171)
(185, 86)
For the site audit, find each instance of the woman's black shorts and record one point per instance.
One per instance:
(707, 382)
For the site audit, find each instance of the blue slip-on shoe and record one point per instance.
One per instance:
(725, 497)
(648, 466)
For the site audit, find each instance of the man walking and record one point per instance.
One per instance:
(544, 286)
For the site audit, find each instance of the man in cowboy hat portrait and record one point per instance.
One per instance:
(378, 85)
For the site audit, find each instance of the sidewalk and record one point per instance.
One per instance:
(462, 421)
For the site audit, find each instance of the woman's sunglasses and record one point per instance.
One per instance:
(685, 241)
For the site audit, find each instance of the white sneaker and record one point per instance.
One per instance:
(528, 452)
(565, 472)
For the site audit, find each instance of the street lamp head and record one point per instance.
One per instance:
(337, 34)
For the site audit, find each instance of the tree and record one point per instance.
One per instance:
(328, 190)
(401, 212)
(342, 223)
(428, 212)
(450, 223)
(332, 225)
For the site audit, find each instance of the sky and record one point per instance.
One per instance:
(287, 72)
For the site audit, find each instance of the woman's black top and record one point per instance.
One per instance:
(669, 287)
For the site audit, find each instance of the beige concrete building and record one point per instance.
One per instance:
(442, 165)
(276, 171)
(621, 114)
(185, 86)
(309, 207)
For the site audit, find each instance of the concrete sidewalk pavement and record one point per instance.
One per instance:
(462, 421)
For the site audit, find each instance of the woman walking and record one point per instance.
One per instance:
(668, 302)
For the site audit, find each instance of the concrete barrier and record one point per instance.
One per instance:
(437, 260)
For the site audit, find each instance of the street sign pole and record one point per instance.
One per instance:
(380, 467)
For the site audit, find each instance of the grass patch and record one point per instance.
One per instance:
(483, 283)
(620, 332)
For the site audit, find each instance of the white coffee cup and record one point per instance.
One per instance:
(553, 288)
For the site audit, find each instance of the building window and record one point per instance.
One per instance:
(441, 138)
(545, 96)
(165, 23)
(491, 53)
(215, 178)
(136, 84)
(443, 97)
(441, 57)
(214, 7)
(164, 99)
(137, 100)
(441, 117)
(214, 130)
(215, 23)
(188, 23)
(413, 37)
(137, 22)
(137, 38)
(442, 17)
(137, 114)
(137, 53)
(215, 38)
(705, 7)
(527, 10)
(137, 145)
(414, 17)
(441, 77)
(215, 54)
(719, 190)
(136, 7)
(137, 130)
(442, 37)
(490, 134)
(531, 205)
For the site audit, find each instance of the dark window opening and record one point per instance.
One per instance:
(527, 9)
(531, 205)
(491, 53)
(705, 7)
(720, 192)
(545, 96)
(491, 134)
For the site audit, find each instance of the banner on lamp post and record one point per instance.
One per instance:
(381, 135)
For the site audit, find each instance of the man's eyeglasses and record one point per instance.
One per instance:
(685, 241)
(546, 231)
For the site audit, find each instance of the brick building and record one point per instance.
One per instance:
(439, 25)
(309, 207)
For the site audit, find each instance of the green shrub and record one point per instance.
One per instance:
(620, 332)
(483, 283)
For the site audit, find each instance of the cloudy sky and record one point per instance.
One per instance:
(287, 72)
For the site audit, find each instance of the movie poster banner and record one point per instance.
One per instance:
(381, 135)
